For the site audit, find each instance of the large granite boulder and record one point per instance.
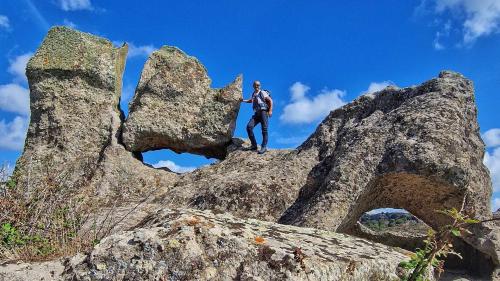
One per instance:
(175, 108)
(198, 245)
(416, 148)
(73, 154)
(75, 83)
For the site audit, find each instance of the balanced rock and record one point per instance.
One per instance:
(198, 245)
(175, 108)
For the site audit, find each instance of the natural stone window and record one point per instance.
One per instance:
(179, 163)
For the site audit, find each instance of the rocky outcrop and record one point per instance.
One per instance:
(415, 148)
(245, 184)
(198, 245)
(175, 108)
(75, 83)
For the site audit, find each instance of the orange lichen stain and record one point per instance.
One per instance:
(193, 221)
(259, 240)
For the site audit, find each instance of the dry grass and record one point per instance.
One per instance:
(44, 221)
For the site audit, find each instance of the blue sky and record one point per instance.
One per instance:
(313, 55)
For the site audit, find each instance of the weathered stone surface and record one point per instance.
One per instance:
(75, 86)
(246, 184)
(73, 142)
(415, 148)
(175, 108)
(37, 271)
(198, 245)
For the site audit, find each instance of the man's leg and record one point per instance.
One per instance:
(251, 124)
(264, 122)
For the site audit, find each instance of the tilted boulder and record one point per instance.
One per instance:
(175, 108)
(198, 245)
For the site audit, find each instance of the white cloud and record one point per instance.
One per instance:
(478, 18)
(173, 167)
(137, 51)
(378, 86)
(17, 66)
(303, 109)
(74, 5)
(492, 161)
(14, 98)
(298, 90)
(69, 23)
(445, 32)
(4, 22)
(12, 134)
(495, 204)
(492, 137)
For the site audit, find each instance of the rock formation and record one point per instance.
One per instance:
(415, 148)
(75, 86)
(175, 108)
(198, 245)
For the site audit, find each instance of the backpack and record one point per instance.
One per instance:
(264, 106)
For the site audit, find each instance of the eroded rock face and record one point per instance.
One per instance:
(175, 108)
(415, 148)
(198, 245)
(75, 86)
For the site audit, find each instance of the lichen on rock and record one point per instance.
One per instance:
(175, 108)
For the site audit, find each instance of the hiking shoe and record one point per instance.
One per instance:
(252, 148)
(262, 150)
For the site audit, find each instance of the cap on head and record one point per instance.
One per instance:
(256, 83)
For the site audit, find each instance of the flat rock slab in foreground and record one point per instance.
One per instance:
(175, 108)
(198, 245)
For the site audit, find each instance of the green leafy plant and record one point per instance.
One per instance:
(438, 246)
(10, 236)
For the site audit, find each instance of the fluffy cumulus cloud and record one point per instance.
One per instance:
(12, 134)
(478, 18)
(17, 66)
(492, 161)
(4, 22)
(14, 98)
(492, 137)
(303, 109)
(173, 167)
(378, 86)
(75, 5)
(492, 156)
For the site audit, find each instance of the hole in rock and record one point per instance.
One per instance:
(400, 228)
(393, 227)
(179, 163)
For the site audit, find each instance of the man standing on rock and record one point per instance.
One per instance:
(263, 109)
